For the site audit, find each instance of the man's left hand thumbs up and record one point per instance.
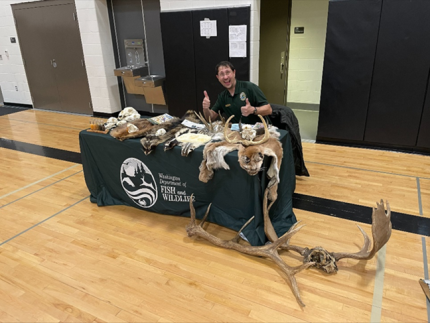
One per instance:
(247, 109)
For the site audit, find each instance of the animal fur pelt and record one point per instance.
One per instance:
(175, 142)
(188, 147)
(144, 126)
(153, 137)
(121, 132)
(250, 159)
(212, 129)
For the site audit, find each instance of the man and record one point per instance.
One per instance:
(240, 98)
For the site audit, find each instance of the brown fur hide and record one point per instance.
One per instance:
(250, 159)
(121, 132)
(145, 127)
(172, 127)
(151, 140)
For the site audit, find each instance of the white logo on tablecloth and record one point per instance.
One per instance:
(138, 182)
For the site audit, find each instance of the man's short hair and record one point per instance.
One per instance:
(225, 64)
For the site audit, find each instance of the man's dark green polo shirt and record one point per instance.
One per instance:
(232, 104)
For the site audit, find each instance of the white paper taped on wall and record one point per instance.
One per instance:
(237, 49)
(237, 40)
(208, 28)
(237, 33)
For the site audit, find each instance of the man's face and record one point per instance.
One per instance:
(226, 77)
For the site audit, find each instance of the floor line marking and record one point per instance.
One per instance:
(426, 273)
(420, 205)
(40, 180)
(366, 170)
(35, 225)
(378, 288)
(40, 189)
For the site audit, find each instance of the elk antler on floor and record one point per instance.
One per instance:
(268, 251)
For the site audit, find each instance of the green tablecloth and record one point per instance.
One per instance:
(119, 173)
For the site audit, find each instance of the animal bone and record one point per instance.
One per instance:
(131, 117)
(248, 133)
(203, 120)
(381, 232)
(237, 138)
(213, 128)
(318, 257)
(131, 128)
(160, 132)
(128, 111)
(267, 251)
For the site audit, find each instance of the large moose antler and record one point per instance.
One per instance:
(381, 232)
(268, 251)
(318, 256)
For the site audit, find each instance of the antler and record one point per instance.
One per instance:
(247, 142)
(221, 118)
(381, 232)
(266, 251)
(202, 119)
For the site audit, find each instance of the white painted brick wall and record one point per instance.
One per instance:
(98, 54)
(173, 5)
(307, 50)
(11, 67)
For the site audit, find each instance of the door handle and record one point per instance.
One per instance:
(281, 68)
(53, 63)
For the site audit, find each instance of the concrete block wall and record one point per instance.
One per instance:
(13, 81)
(307, 50)
(98, 54)
(175, 5)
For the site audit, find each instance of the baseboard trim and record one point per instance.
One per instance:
(115, 114)
(366, 145)
(18, 105)
(105, 115)
(303, 106)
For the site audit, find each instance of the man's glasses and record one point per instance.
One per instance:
(226, 73)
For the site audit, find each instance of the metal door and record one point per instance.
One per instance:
(51, 47)
(274, 43)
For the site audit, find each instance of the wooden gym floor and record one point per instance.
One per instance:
(63, 259)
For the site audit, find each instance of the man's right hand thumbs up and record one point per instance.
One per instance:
(206, 101)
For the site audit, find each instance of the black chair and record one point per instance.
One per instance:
(284, 118)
